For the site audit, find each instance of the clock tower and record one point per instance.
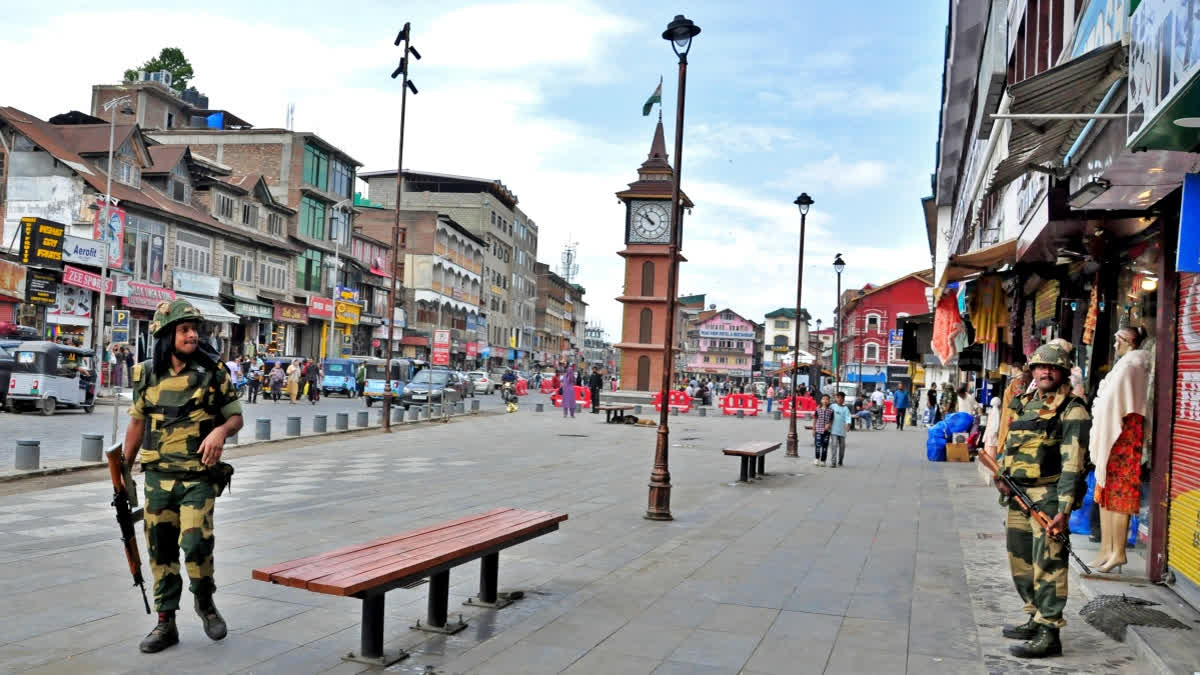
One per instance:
(648, 232)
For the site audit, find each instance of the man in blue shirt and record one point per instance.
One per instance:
(900, 399)
(837, 430)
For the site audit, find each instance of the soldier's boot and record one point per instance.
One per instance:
(214, 623)
(1045, 644)
(1022, 631)
(164, 634)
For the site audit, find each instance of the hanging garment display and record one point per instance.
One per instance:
(1089, 322)
(989, 311)
(947, 328)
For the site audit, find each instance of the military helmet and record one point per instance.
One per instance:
(1051, 355)
(168, 314)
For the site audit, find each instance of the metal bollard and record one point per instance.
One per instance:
(91, 448)
(637, 410)
(414, 414)
(741, 414)
(29, 455)
(675, 412)
(293, 426)
(539, 407)
(474, 406)
(397, 415)
(320, 423)
(778, 414)
(364, 419)
(460, 407)
(262, 429)
(704, 412)
(341, 421)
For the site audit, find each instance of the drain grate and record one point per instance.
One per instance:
(574, 435)
(1112, 613)
(989, 535)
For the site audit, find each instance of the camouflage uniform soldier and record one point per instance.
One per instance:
(1045, 453)
(183, 408)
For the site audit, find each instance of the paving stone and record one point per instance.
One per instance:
(712, 648)
(527, 658)
(740, 619)
(599, 662)
(790, 654)
(653, 641)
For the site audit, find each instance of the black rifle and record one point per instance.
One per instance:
(1030, 507)
(124, 497)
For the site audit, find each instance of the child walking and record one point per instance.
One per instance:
(822, 423)
(837, 431)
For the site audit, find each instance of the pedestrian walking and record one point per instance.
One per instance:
(293, 381)
(184, 407)
(947, 402)
(312, 381)
(568, 391)
(822, 424)
(1045, 452)
(254, 380)
(595, 381)
(770, 398)
(277, 379)
(360, 379)
(837, 430)
(900, 401)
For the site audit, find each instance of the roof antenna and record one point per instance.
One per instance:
(291, 116)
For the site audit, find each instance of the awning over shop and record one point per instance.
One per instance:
(967, 265)
(211, 310)
(852, 376)
(414, 341)
(1077, 86)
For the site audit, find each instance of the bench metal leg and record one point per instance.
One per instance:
(489, 596)
(753, 462)
(439, 599)
(370, 649)
(745, 473)
(762, 465)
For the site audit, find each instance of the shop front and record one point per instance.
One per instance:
(12, 290)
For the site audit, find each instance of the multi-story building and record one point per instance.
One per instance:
(488, 209)
(870, 342)
(154, 104)
(597, 350)
(779, 337)
(311, 176)
(721, 347)
(374, 226)
(554, 321)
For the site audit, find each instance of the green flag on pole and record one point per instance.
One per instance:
(656, 97)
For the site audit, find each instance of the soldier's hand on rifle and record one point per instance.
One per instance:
(1058, 525)
(1002, 486)
(212, 446)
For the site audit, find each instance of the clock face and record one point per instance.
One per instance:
(650, 222)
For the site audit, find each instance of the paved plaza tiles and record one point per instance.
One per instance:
(889, 565)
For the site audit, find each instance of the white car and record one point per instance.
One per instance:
(480, 381)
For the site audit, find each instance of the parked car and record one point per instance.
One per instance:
(432, 386)
(481, 383)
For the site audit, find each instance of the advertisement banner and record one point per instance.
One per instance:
(399, 317)
(111, 233)
(120, 326)
(485, 350)
(348, 294)
(195, 283)
(727, 334)
(320, 308)
(80, 251)
(158, 244)
(147, 296)
(289, 313)
(73, 276)
(472, 349)
(41, 288)
(42, 242)
(1188, 254)
(74, 306)
(12, 280)
(441, 348)
(347, 313)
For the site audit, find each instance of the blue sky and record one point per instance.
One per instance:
(837, 99)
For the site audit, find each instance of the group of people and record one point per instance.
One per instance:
(301, 378)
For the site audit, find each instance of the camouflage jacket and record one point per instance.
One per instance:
(180, 409)
(1047, 441)
(947, 400)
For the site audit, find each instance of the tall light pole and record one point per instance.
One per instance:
(820, 348)
(332, 351)
(838, 266)
(110, 108)
(679, 33)
(803, 202)
(405, 36)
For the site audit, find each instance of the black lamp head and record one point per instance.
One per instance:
(803, 201)
(838, 263)
(680, 33)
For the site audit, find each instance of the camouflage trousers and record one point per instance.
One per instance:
(179, 515)
(1038, 563)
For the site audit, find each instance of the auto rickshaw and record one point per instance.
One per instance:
(402, 372)
(47, 375)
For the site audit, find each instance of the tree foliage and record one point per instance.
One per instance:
(170, 59)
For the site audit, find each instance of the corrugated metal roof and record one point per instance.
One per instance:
(1077, 86)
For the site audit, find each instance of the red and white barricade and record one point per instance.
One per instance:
(889, 412)
(583, 398)
(806, 406)
(677, 400)
(747, 404)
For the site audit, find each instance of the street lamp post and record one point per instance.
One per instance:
(820, 349)
(331, 352)
(838, 266)
(110, 108)
(803, 202)
(405, 36)
(679, 33)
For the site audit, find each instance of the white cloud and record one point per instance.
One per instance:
(837, 174)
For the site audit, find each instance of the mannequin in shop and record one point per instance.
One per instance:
(1118, 416)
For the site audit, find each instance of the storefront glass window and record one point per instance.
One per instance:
(145, 247)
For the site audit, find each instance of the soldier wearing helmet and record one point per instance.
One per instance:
(184, 407)
(1045, 453)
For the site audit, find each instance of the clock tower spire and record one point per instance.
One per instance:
(648, 232)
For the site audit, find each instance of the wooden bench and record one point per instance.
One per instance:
(368, 571)
(749, 453)
(614, 412)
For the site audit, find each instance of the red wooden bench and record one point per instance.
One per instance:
(370, 570)
(754, 458)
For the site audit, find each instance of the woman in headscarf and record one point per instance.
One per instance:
(293, 380)
(568, 389)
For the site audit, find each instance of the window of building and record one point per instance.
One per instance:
(341, 178)
(224, 206)
(128, 174)
(170, 121)
(250, 215)
(272, 272)
(872, 323)
(179, 184)
(275, 224)
(727, 316)
(781, 340)
(238, 264)
(312, 218)
(193, 252)
(872, 352)
(646, 326)
(648, 278)
(493, 222)
(316, 167)
(782, 324)
(308, 270)
(706, 359)
(339, 226)
(145, 248)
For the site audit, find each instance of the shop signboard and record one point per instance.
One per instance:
(111, 233)
(80, 251)
(73, 276)
(252, 310)
(1164, 75)
(369, 320)
(320, 308)
(245, 291)
(348, 294)
(40, 288)
(347, 313)
(472, 349)
(147, 296)
(120, 326)
(1188, 256)
(441, 348)
(399, 317)
(74, 306)
(195, 283)
(42, 242)
(289, 313)
(485, 350)
(471, 324)
(12, 280)
(726, 334)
